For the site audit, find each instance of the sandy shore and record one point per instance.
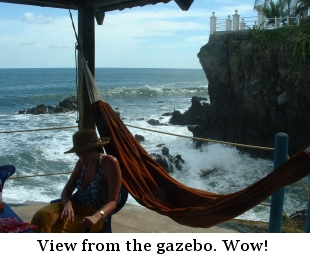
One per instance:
(136, 219)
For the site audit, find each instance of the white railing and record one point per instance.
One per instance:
(277, 22)
(258, 22)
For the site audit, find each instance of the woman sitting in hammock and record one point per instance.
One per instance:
(97, 178)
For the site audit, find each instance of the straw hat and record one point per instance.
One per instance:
(86, 139)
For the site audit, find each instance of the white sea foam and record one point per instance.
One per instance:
(42, 152)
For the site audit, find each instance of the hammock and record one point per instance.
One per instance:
(151, 186)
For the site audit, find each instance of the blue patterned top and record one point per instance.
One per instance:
(96, 194)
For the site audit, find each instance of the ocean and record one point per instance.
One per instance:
(139, 95)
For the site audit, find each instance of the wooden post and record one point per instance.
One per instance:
(86, 35)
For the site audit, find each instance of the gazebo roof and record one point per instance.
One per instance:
(98, 5)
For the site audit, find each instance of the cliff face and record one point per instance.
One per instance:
(255, 92)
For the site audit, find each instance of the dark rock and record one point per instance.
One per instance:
(139, 138)
(179, 162)
(167, 114)
(153, 122)
(202, 98)
(191, 128)
(165, 151)
(59, 109)
(67, 105)
(284, 97)
(163, 162)
(206, 172)
(168, 162)
(39, 109)
(160, 145)
(196, 114)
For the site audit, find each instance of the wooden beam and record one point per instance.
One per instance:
(99, 17)
(184, 4)
(86, 35)
(99, 5)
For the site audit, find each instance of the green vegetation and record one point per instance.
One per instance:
(301, 49)
(297, 36)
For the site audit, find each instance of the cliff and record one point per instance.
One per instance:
(258, 86)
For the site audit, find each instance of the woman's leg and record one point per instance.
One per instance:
(75, 227)
(46, 217)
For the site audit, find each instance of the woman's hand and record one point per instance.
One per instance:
(67, 212)
(90, 221)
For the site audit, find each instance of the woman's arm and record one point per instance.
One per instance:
(67, 193)
(113, 175)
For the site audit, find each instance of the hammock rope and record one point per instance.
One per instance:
(152, 130)
(205, 140)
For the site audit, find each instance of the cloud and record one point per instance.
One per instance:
(130, 38)
(26, 43)
(29, 17)
(150, 24)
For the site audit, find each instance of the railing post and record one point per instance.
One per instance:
(236, 21)
(261, 19)
(255, 25)
(228, 24)
(212, 24)
(275, 22)
(242, 24)
(288, 20)
(277, 199)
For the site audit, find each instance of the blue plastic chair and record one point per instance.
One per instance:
(107, 227)
(122, 199)
(6, 171)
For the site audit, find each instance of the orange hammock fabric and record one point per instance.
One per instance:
(153, 188)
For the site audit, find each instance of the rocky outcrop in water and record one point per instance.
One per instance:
(67, 105)
(167, 161)
(255, 92)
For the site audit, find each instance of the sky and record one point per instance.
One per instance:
(154, 36)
